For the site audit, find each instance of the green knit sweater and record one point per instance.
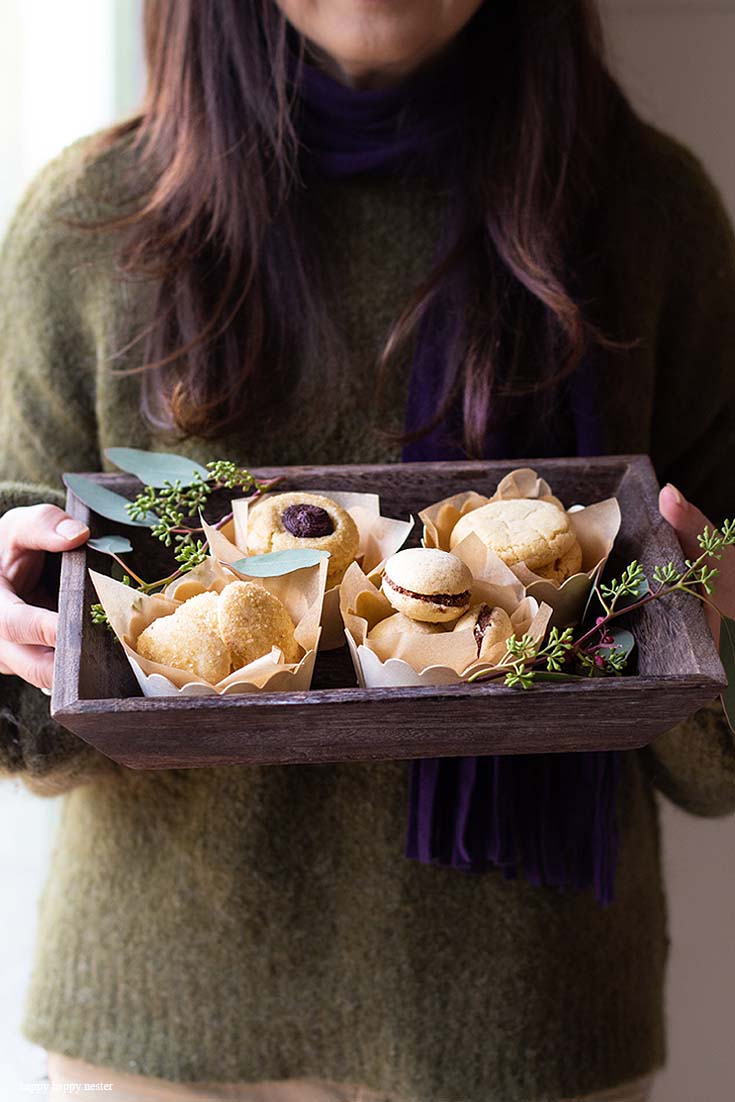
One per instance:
(262, 923)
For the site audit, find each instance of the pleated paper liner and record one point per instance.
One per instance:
(595, 527)
(380, 537)
(130, 612)
(444, 658)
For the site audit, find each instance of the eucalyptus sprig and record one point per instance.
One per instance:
(604, 650)
(175, 493)
(175, 504)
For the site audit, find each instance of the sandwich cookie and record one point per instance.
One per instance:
(427, 584)
(489, 623)
(403, 625)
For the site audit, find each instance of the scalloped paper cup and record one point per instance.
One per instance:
(442, 659)
(380, 537)
(595, 526)
(129, 612)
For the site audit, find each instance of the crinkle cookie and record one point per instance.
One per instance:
(427, 584)
(562, 568)
(525, 530)
(281, 521)
(489, 623)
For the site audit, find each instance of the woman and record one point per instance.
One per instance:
(459, 191)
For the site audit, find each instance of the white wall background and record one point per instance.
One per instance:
(69, 68)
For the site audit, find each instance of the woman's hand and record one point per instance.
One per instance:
(28, 631)
(688, 521)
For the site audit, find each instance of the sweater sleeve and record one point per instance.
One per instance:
(694, 763)
(47, 426)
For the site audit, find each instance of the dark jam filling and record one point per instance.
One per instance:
(449, 600)
(307, 521)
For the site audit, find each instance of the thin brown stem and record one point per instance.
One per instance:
(126, 568)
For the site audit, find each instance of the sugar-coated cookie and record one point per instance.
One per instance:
(252, 620)
(489, 623)
(281, 521)
(525, 530)
(427, 584)
(404, 625)
(185, 644)
(201, 609)
(212, 634)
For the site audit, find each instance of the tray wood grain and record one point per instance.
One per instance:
(96, 695)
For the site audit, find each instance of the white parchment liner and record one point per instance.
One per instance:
(380, 537)
(595, 526)
(129, 612)
(440, 659)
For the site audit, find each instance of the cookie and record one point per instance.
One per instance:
(281, 521)
(427, 584)
(525, 530)
(185, 644)
(252, 620)
(201, 609)
(562, 568)
(491, 624)
(212, 634)
(404, 625)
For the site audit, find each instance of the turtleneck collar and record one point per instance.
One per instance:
(405, 129)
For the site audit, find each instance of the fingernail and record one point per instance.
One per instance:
(46, 692)
(677, 496)
(69, 529)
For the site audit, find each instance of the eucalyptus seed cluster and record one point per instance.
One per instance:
(524, 650)
(176, 506)
(97, 612)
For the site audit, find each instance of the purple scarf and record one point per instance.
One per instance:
(547, 817)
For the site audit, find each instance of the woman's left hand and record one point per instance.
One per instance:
(688, 521)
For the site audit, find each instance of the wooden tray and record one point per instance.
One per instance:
(96, 695)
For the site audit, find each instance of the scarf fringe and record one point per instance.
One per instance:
(549, 818)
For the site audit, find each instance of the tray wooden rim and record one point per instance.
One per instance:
(702, 681)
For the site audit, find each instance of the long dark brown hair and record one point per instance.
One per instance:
(224, 218)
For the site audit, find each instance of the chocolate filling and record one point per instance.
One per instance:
(449, 600)
(307, 521)
(483, 623)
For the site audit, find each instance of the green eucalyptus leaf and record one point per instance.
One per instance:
(111, 545)
(156, 468)
(624, 641)
(276, 563)
(105, 502)
(727, 655)
(591, 596)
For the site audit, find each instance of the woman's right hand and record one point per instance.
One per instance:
(27, 625)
